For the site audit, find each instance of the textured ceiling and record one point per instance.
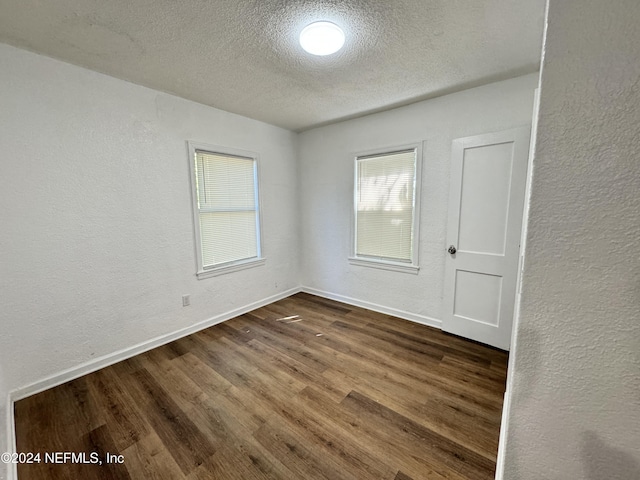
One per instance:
(243, 56)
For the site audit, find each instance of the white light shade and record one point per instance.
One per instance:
(322, 38)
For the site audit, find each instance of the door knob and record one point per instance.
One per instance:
(452, 249)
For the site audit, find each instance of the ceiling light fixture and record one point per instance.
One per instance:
(322, 38)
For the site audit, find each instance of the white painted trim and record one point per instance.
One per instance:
(112, 358)
(412, 267)
(234, 267)
(201, 271)
(412, 317)
(506, 403)
(384, 265)
(11, 468)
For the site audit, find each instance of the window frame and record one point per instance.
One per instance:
(203, 271)
(378, 262)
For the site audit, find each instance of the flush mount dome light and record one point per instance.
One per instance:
(322, 38)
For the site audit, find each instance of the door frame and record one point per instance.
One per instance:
(507, 301)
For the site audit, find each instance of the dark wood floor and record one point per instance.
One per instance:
(336, 392)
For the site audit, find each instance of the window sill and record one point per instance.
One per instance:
(234, 267)
(385, 265)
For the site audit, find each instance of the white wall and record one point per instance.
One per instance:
(575, 404)
(96, 237)
(326, 186)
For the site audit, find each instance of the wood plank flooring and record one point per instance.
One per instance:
(305, 388)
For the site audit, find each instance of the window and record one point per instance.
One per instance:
(226, 209)
(385, 227)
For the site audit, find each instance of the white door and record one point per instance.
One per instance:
(488, 178)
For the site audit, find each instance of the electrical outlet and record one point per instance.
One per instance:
(186, 300)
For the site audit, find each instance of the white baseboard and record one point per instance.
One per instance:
(113, 358)
(11, 469)
(413, 317)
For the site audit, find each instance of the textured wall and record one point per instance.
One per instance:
(96, 237)
(575, 410)
(326, 186)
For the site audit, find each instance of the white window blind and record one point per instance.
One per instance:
(227, 203)
(384, 210)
